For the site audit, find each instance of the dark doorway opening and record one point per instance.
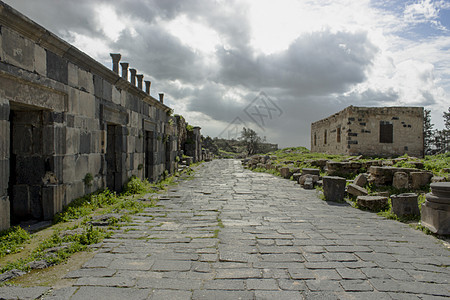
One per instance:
(168, 150)
(149, 155)
(28, 164)
(111, 157)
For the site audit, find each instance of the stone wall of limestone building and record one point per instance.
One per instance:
(371, 131)
(69, 125)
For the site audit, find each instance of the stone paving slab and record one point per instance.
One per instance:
(110, 293)
(230, 233)
(13, 292)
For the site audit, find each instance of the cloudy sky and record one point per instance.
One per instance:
(274, 66)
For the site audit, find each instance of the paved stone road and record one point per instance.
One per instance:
(233, 234)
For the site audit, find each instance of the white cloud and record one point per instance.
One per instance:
(193, 34)
(210, 58)
(425, 11)
(94, 46)
(109, 21)
(276, 24)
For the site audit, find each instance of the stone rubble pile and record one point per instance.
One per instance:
(435, 212)
(380, 172)
(401, 178)
(374, 203)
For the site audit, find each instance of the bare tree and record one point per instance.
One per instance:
(251, 140)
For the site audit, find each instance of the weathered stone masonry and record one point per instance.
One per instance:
(372, 131)
(69, 125)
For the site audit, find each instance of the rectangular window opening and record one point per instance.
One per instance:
(386, 132)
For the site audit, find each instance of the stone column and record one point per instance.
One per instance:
(147, 86)
(161, 97)
(405, 204)
(436, 209)
(124, 70)
(140, 77)
(334, 188)
(133, 76)
(115, 61)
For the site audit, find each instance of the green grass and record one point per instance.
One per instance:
(227, 154)
(424, 229)
(130, 206)
(68, 245)
(321, 195)
(86, 205)
(137, 186)
(385, 188)
(300, 155)
(82, 208)
(270, 171)
(404, 164)
(388, 214)
(12, 239)
(436, 163)
(112, 202)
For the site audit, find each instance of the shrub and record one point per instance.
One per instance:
(136, 186)
(85, 205)
(88, 179)
(12, 239)
(436, 163)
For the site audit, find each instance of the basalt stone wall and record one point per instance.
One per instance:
(69, 125)
(193, 144)
(372, 131)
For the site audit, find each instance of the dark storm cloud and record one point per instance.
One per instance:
(292, 128)
(159, 54)
(303, 80)
(143, 10)
(211, 99)
(60, 16)
(229, 20)
(156, 52)
(314, 64)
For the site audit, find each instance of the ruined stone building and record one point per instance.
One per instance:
(69, 125)
(371, 131)
(189, 139)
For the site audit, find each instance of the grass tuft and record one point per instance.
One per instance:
(63, 243)
(12, 239)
